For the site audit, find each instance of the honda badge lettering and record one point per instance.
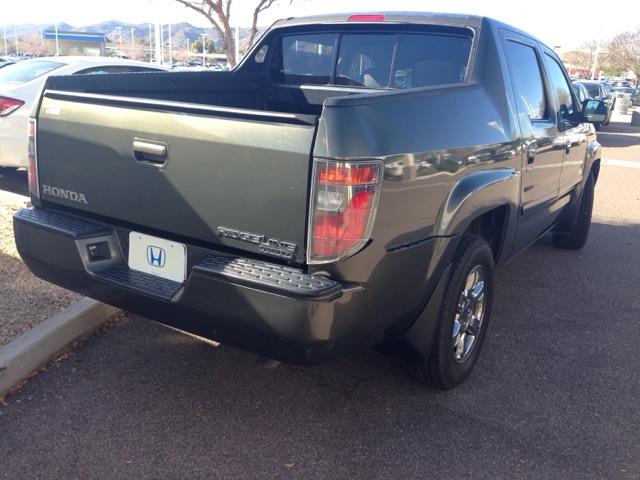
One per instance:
(64, 194)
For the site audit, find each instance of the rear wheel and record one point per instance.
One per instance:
(573, 234)
(464, 317)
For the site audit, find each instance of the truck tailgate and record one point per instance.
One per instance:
(216, 175)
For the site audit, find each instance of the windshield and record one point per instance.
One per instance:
(26, 71)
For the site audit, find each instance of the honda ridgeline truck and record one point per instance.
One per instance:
(352, 183)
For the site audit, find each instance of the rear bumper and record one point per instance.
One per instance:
(276, 311)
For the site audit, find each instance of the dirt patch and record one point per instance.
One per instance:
(25, 300)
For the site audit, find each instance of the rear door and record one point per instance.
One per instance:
(186, 171)
(542, 140)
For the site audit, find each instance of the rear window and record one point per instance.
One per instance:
(307, 58)
(28, 70)
(373, 60)
(593, 89)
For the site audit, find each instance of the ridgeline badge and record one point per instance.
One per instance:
(270, 246)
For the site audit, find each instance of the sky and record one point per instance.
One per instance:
(563, 23)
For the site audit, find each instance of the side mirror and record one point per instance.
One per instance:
(594, 111)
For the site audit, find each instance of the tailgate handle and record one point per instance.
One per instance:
(150, 152)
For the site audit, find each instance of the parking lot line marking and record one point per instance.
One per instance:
(621, 163)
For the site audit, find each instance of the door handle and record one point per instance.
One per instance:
(150, 152)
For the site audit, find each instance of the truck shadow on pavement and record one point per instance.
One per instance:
(144, 400)
(618, 139)
(13, 180)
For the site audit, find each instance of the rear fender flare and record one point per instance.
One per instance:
(475, 194)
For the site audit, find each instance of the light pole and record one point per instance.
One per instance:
(170, 47)
(119, 30)
(57, 44)
(150, 45)
(15, 37)
(204, 36)
(158, 44)
(595, 61)
(133, 43)
(6, 52)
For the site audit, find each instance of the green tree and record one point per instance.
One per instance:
(196, 46)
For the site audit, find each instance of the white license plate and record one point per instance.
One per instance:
(158, 257)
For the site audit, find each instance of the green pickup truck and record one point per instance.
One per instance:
(351, 184)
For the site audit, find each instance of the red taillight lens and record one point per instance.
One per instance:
(367, 18)
(8, 105)
(345, 197)
(32, 167)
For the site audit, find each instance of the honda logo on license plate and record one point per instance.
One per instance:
(156, 256)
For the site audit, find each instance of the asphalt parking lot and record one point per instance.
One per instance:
(554, 395)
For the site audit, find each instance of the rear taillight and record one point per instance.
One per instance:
(32, 156)
(344, 198)
(9, 105)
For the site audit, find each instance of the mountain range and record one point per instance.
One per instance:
(180, 32)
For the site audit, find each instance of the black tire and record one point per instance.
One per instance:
(441, 369)
(597, 126)
(573, 234)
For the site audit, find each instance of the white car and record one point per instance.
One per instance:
(21, 84)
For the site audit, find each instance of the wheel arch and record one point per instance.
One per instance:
(478, 201)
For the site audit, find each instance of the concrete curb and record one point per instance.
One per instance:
(31, 350)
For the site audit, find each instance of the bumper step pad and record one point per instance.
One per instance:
(267, 276)
(61, 223)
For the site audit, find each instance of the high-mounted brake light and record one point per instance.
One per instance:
(9, 105)
(366, 18)
(343, 206)
(32, 157)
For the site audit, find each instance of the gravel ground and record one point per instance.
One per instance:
(25, 300)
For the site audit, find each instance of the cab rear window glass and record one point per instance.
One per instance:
(365, 60)
(425, 60)
(373, 60)
(307, 58)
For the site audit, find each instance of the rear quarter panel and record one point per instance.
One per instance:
(450, 153)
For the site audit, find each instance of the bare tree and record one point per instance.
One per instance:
(260, 7)
(582, 57)
(218, 12)
(624, 51)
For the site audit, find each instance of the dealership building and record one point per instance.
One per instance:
(77, 43)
